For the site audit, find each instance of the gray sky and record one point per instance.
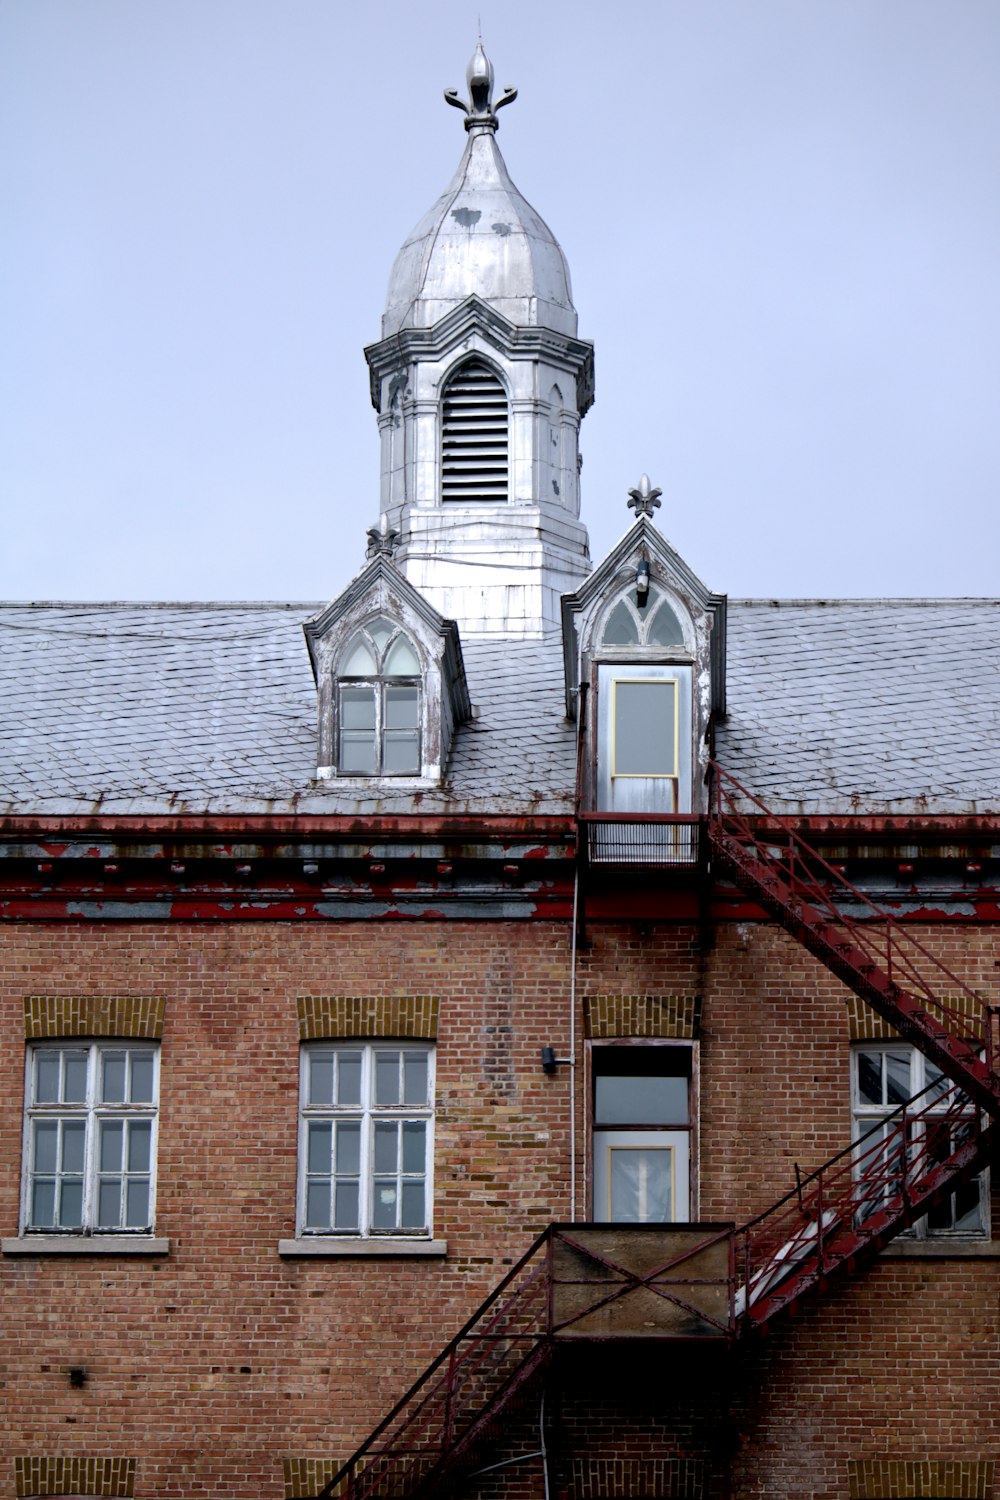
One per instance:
(781, 218)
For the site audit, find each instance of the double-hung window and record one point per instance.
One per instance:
(887, 1076)
(90, 1137)
(365, 1147)
(378, 703)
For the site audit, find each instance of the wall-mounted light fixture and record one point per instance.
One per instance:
(642, 582)
(550, 1062)
(77, 1377)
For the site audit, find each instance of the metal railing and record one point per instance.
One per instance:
(881, 959)
(641, 838)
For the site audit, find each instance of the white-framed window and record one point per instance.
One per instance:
(642, 1132)
(90, 1137)
(886, 1075)
(378, 703)
(366, 1138)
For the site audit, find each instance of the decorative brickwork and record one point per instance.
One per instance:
(611, 1478)
(307, 1476)
(922, 1478)
(641, 1015)
(48, 1475)
(866, 1026)
(367, 1016)
(94, 1015)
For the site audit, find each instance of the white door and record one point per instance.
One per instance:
(644, 738)
(641, 1176)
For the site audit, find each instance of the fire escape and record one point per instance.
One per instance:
(713, 1281)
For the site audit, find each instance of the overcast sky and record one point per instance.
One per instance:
(781, 218)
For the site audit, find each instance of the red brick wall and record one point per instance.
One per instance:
(213, 1365)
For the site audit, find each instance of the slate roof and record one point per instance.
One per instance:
(843, 706)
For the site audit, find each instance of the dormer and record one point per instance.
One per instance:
(644, 644)
(390, 683)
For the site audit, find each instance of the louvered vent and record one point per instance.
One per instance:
(474, 436)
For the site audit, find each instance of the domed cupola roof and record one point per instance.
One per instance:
(481, 237)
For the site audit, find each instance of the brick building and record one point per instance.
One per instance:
(569, 963)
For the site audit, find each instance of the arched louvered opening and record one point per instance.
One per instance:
(474, 435)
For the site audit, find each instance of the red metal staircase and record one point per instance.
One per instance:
(713, 1281)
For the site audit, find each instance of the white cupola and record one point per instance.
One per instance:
(480, 381)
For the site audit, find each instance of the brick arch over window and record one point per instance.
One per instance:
(474, 435)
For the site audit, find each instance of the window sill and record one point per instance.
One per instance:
(942, 1249)
(333, 1245)
(84, 1244)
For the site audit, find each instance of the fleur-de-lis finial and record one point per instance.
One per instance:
(479, 77)
(644, 499)
(382, 539)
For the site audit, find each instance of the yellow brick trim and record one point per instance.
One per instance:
(865, 1025)
(94, 1015)
(921, 1478)
(37, 1474)
(640, 1015)
(612, 1478)
(307, 1476)
(353, 1016)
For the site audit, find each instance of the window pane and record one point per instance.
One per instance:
(349, 1147)
(387, 1078)
(137, 1203)
(640, 1184)
(401, 660)
(401, 708)
(73, 1137)
(384, 1206)
(386, 1146)
(47, 1077)
(381, 631)
(644, 728)
(347, 1206)
(110, 1154)
(414, 1145)
(621, 629)
(75, 1078)
(870, 1077)
(318, 1205)
(43, 1203)
(320, 1078)
(664, 628)
(897, 1077)
(46, 1145)
(413, 1215)
(415, 1078)
(113, 1077)
(357, 708)
(71, 1204)
(141, 1086)
(109, 1203)
(320, 1145)
(401, 752)
(140, 1133)
(640, 1101)
(357, 754)
(360, 660)
(940, 1086)
(348, 1077)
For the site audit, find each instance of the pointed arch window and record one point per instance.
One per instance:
(379, 703)
(474, 435)
(651, 623)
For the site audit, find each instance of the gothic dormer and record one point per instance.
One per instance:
(480, 382)
(390, 682)
(644, 645)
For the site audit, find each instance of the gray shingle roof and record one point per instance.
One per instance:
(875, 706)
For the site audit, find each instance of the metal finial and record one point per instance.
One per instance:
(479, 77)
(644, 499)
(382, 539)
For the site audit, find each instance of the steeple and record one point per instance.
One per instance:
(480, 382)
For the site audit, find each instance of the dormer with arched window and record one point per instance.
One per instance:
(644, 648)
(390, 683)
